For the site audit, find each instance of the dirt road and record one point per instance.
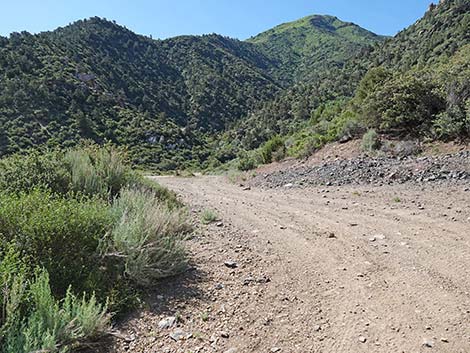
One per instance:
(350, 269)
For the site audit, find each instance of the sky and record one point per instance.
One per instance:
(234, 18)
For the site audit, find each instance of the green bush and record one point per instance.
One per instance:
(12, 292)
(97, 171)
(246, 162)
(208, 216)
(163, 194)
(454, 79)
(91, 170)
(49, 325)
(405, 104)
(147, 236)
(370, 141)
(305, 144)
(59, 234)
(33, 170)
(275, 147)
(347, 125)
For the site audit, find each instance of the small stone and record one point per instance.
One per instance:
(263, 279)
(231, 350)
(167, 323)
(224, 334)
(248, 280)
(275, 349)
(428, 343)
(444, 339)
(179, 335)
(331, 235)
(231, 264)
(316, 328)
(220, 224)
(219, 286)
(362, 339)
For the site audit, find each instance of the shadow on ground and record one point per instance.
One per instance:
(165, 299)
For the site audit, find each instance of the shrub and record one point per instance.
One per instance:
(147, 236)
(404, 104)
(50, 325)
(274, 147)
(453, 123)
(305, 144)
(246, 162)
(59, 234)
(98, 171)
(347, 126)
(33, 170)
(163, 194)
(91, 171)
(208, 216)
(370, 141)
(12, 277)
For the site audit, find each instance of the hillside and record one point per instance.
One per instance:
(426, 69)
(313, 43)
(163, 99)
(97, 80)
(201, 101)
(439, 34)
(413, 86)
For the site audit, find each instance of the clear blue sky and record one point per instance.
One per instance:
(235, 18)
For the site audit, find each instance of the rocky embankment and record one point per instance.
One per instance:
(450, 168)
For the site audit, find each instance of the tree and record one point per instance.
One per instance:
(404, 104)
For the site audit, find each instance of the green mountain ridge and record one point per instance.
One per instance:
(313, 42)
(164, 99)
(198, 101)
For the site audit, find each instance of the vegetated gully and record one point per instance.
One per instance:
(364, 269)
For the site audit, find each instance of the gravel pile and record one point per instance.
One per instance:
(453, 168)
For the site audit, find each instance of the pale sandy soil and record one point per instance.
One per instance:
(350, 269)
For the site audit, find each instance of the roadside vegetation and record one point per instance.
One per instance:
(81, 234)
(208, 216)
(424, 104)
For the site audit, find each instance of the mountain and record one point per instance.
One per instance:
(313, 43)
(442, 31)
(414, 85)
(95, 79)
(318, 59)
(198, 101)
(163, 99)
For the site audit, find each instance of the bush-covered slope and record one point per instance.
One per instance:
(439, 33)
(416, 84)
(97, 80)
(424, 86)
(313, 43)
(165, 100)
(195, 101)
